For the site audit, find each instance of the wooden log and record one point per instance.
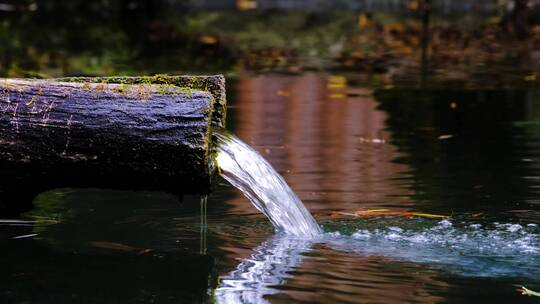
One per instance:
(148, 133)
(214, 84)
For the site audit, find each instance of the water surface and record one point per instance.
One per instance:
(468, 154)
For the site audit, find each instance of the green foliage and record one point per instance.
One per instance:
(113, 41)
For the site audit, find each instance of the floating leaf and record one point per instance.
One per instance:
(388, 212)
(337, 82)
(120, 247)
(445, 136)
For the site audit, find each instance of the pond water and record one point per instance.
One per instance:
(470, 154)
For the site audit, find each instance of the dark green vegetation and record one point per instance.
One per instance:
(148, 37)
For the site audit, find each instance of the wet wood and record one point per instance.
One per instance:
(124, 133)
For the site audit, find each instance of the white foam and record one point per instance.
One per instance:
(509, 249)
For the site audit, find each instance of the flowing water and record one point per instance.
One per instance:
(465, 247)
(244, 168)
(471, 154)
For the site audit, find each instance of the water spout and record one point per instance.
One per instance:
(248, 171)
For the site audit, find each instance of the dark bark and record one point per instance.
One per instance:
(136, 133)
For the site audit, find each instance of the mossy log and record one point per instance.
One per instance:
(147, 133)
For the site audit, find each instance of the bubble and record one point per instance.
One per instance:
(470, 249)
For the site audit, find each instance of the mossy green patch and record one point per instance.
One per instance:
(35, 97)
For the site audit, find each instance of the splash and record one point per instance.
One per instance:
(248, 171)
(467, 249)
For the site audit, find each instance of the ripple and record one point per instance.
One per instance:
(470, 249)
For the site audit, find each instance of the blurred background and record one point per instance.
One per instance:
(492, 42)
(414, 105)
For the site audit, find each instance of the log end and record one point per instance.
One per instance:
(147, 150)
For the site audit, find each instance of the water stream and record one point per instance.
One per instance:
(462, 247)
(248, 171)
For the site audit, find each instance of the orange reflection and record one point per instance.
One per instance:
(377, 280)
(329, 142)
(327, 139)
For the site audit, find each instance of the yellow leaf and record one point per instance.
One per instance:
(362, 21)
(431, 215)
(336, 82)
(531, 77)
(336, 96)
(207, 39)
(246, 4)
(388, 212)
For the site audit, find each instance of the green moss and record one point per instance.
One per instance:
(122, 89)
(168, 85)
(35, 97)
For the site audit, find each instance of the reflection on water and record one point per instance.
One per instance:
(436, 151)
(466, 249)
(332, 149)
(268, 267)
(99, 246)
(470, 154)
(468, 150)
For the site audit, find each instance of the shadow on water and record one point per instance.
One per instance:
(468, 150)
(103, 246)
(469, 154)
(38, 273)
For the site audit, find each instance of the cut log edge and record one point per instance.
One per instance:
(145, 89)
(210, 87)
(214, 84)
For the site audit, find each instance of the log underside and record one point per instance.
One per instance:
(96, 133)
